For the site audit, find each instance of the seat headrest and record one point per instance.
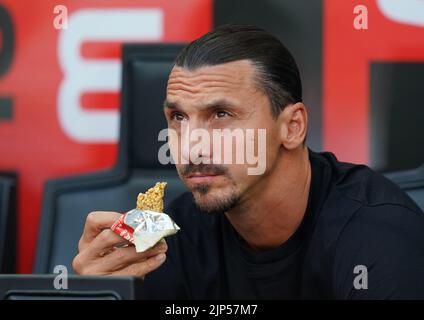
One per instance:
(145, 75)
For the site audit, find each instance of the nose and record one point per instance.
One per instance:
(195, 143)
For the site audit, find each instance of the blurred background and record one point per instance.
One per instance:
(60, 80)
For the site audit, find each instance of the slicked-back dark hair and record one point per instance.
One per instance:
(276, 70)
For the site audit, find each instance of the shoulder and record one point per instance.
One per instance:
(363, 201)
(385, 228)
(357, 193)
(361, 198)
(362, 185)
(368, 221)
(378, 229)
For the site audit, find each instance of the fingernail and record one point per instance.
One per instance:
(160, 257)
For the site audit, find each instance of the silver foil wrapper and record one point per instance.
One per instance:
(149, 227)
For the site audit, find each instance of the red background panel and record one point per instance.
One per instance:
(33, 143)
(347, 56)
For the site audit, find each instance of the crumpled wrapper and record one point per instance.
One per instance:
(144, 228)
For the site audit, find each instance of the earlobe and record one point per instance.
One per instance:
(294, 123)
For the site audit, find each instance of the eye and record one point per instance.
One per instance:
(222, 114)
(176, 116)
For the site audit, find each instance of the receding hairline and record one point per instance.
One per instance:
(255, 70)
(234, 64)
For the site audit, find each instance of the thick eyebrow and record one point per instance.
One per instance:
(219, 104)
(170, 105)
(215, 104)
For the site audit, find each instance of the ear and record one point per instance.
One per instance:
(293, 125)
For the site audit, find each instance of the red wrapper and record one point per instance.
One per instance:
(121, 229)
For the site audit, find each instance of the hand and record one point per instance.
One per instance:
(103, 252)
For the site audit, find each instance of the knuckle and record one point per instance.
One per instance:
(91, 218)
(153, 263)
(90, 271)
(149, 265)
(77, 264)
(157, 248)
(128, 256)
(82, 268)
(80, 245)
(105, 236)
(121, 255)
(108, 238)
(162, 246)
(140, 270)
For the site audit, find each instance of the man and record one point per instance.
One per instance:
(307, 227)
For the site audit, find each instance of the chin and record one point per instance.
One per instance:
(211, 200)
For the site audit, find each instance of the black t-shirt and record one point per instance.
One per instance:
(361, 238)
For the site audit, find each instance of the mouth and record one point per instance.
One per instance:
(199, 177)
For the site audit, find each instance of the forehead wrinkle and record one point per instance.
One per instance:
(210, 86)
(233, 72)
(207, 73)
(195, 85)
(199, 80)
(210, 83)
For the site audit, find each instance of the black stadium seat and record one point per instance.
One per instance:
(412, 182)
(67, 201)
(7, 223)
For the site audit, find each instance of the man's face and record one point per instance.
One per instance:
(217, 97)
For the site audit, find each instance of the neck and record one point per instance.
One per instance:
(274, 208)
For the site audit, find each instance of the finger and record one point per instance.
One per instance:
(101, 245)
(91, 261)
(106, 240)
(123, 257)
(142, 268)
(95, 223)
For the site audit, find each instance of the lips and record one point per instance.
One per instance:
(201, 174)
(201, 177)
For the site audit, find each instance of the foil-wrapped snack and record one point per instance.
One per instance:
(144, 227)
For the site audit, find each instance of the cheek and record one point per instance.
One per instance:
(179, 168)
(240, 180)
(174, 143)
(237, 173)
(272, 144)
